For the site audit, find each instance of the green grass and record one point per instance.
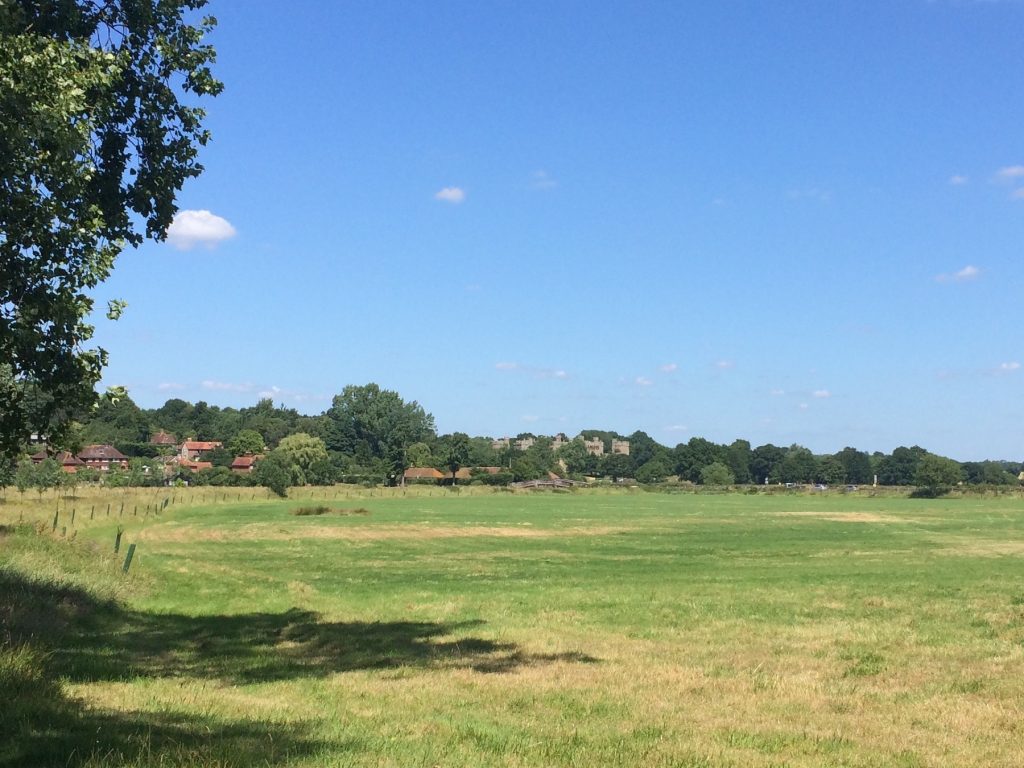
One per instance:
(494, 629)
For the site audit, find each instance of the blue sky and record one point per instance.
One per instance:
(782, 221)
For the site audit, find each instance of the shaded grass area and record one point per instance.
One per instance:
(54, 632)
(575, 630)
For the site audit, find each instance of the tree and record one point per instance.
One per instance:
(94, 146)
(798, 466)
(274, 472)
(936, 475)
(830, 471)
(654, 471)
(247, 441)
(301, 452)
(765, 461)
(370, 423)
(738, 457)
(856, 465)
(900, 467)
(716, 473)
(453, 452)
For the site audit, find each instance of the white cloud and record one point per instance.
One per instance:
(724, 365)
(642, 381)
(169, 386)
(537, 373)
(777, 392)
(451, 195)
(821, 393)
(192, 228)
(1007, 367)
(541, 179)
(968, 273)
(669, 367)
(1018, 194)
(1010, 172)
(677, 428)
(957, 180)
(804, 406)
(226, 386)
(531, 418)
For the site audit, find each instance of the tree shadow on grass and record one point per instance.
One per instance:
(52, 632)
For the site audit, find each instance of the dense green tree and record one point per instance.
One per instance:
(247, 441)
(936, 475)
(615, 466)
(368, 422)
(765, 461)
(654, 471)
(274, 472)
(116, 420)
(739, 457)
(95, 143)
(452, 453)
(830, 471)
(577, 460)
(219, 457)
(420, 455)
(900, 467)
(856, 465)
(644, 448)
(301, 452)
(696, 454)
(798, 466)
(716, 473)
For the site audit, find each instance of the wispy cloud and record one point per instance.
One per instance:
(724, 365)
(170, 386)
(965, 275)
(957, 180)
(821, 394)
(642, 381)
(669, 367)
(1008, 367)
(1010, 173)
(227, 386)
(677, 428)
(541, 179)
(535, 371)
(803, 406)
(192, 228)
(777, 392)
(451, 195)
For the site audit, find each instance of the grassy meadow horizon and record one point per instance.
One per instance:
(423, 626)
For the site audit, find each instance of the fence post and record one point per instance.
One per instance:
(117, 540)
(128, 558)
(56, 513)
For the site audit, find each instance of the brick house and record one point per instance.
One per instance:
(103, 458)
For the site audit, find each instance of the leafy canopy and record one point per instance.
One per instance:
(95, 142)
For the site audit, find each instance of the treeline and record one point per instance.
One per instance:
(372, 435)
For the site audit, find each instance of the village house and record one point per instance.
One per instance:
(244, 465)
(194, 449)
(68, 461)
(163, 439)
(103, 458)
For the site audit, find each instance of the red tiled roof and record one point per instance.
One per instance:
(201, 445)
(195, 466)
(422, 473)
(244, 462)
(101, 453)
(64, 458)
(163, 438)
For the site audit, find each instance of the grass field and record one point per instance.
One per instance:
(575, 629)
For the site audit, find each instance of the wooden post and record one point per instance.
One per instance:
(128, 558)
(117, 540)
(72, 516)
(55, 515)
